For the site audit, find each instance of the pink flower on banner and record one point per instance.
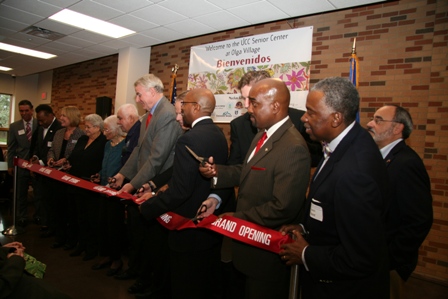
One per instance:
(295, 80)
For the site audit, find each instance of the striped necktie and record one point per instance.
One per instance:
(28, 131)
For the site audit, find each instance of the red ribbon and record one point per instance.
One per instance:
(235, 228)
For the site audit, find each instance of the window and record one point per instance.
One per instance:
(5, 113)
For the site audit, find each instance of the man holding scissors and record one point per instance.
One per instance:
(194, 253)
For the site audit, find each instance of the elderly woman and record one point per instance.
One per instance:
(59, 213)
(111, 215)
(85, 161)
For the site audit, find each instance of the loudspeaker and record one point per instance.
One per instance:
(104, 106)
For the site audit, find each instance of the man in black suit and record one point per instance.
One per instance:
(410, 214)
(194, 253)
(344, 251)
(19, 143)
(42, 141)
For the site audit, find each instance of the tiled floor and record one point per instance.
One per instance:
(74, 276)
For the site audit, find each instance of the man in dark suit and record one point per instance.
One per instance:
(410, 214)
(19, 143)
(42, 142)
(272, 186)
(344, 252)
(194, 253)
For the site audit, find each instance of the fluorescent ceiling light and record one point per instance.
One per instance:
(4, 68)
(79, 20)
(25, 51)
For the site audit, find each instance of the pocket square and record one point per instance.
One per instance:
(257, 168)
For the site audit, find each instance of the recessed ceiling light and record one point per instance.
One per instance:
(79, 20)
(25, 51)
(4, 68)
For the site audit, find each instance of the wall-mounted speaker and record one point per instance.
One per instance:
(103, 106)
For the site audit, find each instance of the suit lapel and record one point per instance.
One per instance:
(393, 152)
(338, 153)
(265, 149)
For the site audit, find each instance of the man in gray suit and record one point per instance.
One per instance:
(19, 142)
(272, 179)
(158, 135)
(153, 155)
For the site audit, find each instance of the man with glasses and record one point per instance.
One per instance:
(410, 210)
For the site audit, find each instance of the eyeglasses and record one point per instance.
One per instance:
(378, 120)
(183, 102)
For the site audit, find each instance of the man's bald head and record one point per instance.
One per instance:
(198, 103)
(269, 100)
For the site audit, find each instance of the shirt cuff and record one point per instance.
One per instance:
(218, 198)
(303, 259)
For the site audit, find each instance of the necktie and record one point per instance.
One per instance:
(260, 142)
(28, 131)
(326, 150)
(148, 119)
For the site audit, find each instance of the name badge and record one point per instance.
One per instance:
(49, 143)
(74, 141)
(21, 132)
(316, 211)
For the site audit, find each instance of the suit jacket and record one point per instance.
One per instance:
(410, 213)
(345, 218)
(155, 150)
(87, 161)
(242, 133)
(18, 144)
(272, 188)
(56, 146)
(42, 145)
(188, 188)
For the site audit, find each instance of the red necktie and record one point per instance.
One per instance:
(260, 142)
(148, 119)
(28, 131)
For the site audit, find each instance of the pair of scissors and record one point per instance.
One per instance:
(201, 160)
(202, 210)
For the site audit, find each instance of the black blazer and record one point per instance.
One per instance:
(345, 217)
(410, 213)
(40, 145)
(187, 187)
(242, 132)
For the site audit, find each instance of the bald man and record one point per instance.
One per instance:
(194, 253)
(272, 185)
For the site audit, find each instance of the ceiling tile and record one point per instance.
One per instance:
(306, 7)
(32, 6)
(133, 23)
(259, 12)
(221, 20)
(158, 15)
(190, 27)
(190, 8)
(231, 3)
(164, 34)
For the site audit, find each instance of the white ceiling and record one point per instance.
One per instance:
(155, 22)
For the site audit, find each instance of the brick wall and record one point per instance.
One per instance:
(402, 47)
(80, 84)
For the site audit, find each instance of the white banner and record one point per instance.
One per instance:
(219, 67)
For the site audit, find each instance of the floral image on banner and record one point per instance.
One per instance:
(225, 81)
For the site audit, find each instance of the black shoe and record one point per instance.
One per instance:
(47, 234)
(150, 293)
(22, 222)
(100, 266)
(138, 287)
(77, 252)
(44, 228)
(113, 271)
(56, 245)
(69, 247)
(89, 256)
(125, 275)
